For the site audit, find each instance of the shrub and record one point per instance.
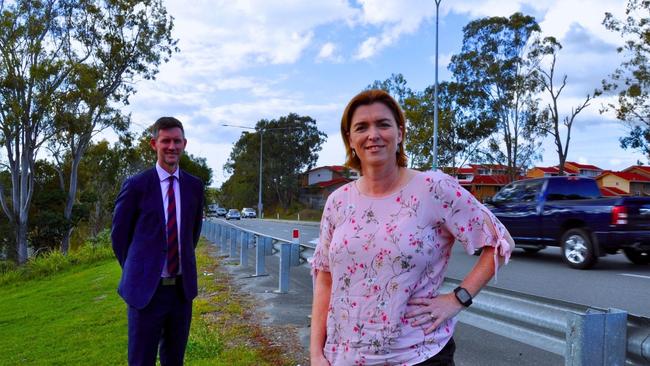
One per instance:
(94, 250)
(6, 266)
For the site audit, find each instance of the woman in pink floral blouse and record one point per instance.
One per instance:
(385, 242)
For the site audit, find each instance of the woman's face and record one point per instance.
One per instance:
(374, 135)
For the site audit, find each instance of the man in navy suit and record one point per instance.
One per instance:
(156, 226)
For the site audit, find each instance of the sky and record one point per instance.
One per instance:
(246, 60)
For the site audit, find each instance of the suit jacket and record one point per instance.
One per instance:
(138, 235)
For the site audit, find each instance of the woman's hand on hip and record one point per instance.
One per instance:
(433, 311)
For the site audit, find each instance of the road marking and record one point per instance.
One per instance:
(635, 275)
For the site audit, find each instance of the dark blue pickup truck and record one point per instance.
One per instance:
(569, 212)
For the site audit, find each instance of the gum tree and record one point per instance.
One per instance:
(65, 66)
(630, 82)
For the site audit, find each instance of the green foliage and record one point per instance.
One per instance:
(494, 69)
(198, 167)
(631, 80)
(212, 196)
(65, 67)
(47, 224)
(52, 262)
(7, 266)
(290, 146)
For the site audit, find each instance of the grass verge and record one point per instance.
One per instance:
(75, 317)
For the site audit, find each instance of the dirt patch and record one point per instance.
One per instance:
(237, 314)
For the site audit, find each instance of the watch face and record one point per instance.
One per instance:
(463, 295)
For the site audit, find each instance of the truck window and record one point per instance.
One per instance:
(572, 189)
(522, 191)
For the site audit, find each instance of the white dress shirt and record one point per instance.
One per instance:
(163, 175)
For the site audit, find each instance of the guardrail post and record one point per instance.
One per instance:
(285, 267)
(596, 338)
(243, 249)
(210, 233)
(234, 236)
(268, 245)
(295, 248)
(224, 241)
(260, 256)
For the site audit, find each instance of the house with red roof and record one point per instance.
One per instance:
(550, 171)
(320, 182)
(629, 182)
(584, 170)
(638, 169)
(328, 173)
(482, 180)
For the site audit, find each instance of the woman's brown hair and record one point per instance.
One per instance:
(368, 97)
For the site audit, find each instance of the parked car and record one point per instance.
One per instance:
(569, 212)
(221, 212)
(248, 212)
(233, 214)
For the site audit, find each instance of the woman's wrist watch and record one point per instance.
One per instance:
(463, 296)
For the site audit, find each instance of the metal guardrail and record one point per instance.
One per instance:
(235, 242)
(584, 335)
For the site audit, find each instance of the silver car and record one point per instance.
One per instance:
(248, 212)
(233, 214)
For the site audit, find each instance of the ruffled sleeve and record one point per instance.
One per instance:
(320, 261)
(469, 221)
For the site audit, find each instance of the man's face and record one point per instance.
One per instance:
(169, 147)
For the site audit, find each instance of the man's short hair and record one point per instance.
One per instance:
(166, 123)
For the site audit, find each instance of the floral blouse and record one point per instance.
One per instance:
(383, 251)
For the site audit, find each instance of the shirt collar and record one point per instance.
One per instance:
(163, 174)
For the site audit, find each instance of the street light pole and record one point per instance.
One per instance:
(434, 164)
(260, 205)
(259, 197)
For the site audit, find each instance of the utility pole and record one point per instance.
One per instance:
(260, 205)
(434, 164)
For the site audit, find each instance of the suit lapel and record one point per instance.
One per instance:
(155, 185)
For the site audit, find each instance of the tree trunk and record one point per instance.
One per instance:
(21, 242)
(72, 193)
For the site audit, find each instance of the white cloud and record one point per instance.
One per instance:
(220, 37)
(394, 18)
(481, 8)
(328, 52)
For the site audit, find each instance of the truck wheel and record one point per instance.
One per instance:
(637, 256)
(577, 249)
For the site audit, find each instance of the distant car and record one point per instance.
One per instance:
(212, 210)
(248, 212)
(221, 212)
(233, 214)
